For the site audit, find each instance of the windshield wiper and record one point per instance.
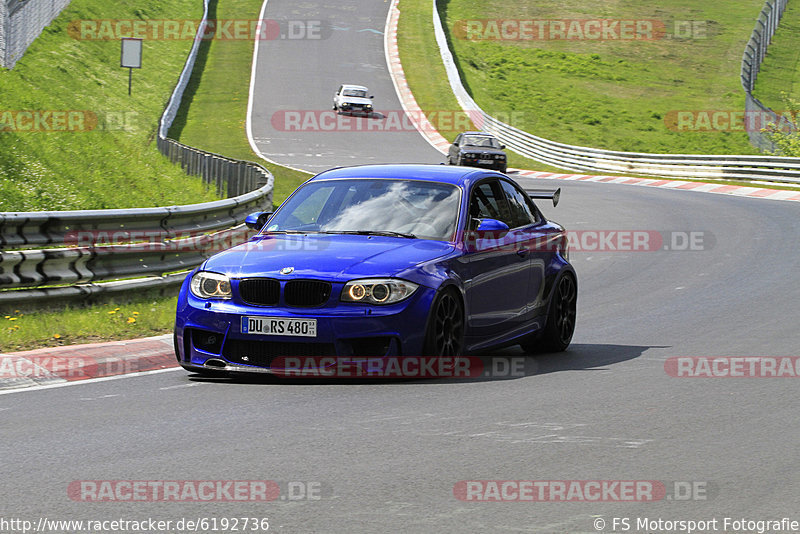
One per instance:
(289, 232)
(385, 233)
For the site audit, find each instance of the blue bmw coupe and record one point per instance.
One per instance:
(380, 261)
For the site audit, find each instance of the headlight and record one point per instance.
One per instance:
(378, 290)
(208, 285)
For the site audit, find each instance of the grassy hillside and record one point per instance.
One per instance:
(614, 94)
(115, 164)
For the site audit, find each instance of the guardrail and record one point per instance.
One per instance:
(100, 252)
(580, 158)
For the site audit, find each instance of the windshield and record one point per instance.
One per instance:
(354, 92)
(481, 140)
(425, 210)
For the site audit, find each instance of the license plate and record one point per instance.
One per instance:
(484, 160)
(279, 326)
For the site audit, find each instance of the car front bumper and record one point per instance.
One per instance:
(498, 164)
(208, 333)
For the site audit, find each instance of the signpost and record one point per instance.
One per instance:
(131, 57)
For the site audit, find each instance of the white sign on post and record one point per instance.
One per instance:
(131, 53)
(130, 58)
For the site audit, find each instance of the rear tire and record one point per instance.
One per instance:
(445, 333)
(557, 333)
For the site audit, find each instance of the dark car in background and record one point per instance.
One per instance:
(477, 149)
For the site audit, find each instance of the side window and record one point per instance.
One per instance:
(522, 213)
(340, 90)
(488, 202)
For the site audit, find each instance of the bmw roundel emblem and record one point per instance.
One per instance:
(287, 270)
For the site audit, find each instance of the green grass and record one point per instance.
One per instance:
(606, 94)
(116, 164)
(215, 109)
(140, 317)
(780, 71)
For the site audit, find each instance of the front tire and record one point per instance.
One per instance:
(557, 333)
(445, 333)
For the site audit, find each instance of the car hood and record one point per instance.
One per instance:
(330, 257)
(356, 100)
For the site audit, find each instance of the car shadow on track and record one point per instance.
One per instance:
(506, 364)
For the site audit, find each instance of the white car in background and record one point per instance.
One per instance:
(352, 99)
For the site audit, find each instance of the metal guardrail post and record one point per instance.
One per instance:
(3, 31)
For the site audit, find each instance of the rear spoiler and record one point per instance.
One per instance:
(546, 194)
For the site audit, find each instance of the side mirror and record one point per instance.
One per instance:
(492, 225)
(257, 220)
(372, 96)
(489, 232)
(502, 147)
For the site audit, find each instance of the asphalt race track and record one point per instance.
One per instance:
(386, 456)
(300, 76)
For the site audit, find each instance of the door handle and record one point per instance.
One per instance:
(522, 252)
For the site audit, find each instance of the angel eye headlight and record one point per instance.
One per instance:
(378, 290)
(208, 285)
(357, 292)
